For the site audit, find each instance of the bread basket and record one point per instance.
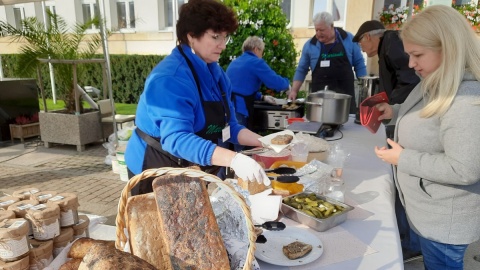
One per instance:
(121, 238)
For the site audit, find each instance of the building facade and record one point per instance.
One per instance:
(147, 26)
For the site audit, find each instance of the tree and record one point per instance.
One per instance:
(265, 19)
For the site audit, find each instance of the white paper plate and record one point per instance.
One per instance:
(271, 252)
(267, 140)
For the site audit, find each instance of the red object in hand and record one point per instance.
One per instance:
(369, 113)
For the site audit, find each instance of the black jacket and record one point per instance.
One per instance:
(396, 78)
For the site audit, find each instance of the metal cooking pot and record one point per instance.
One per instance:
(369, 86)
(328, 107)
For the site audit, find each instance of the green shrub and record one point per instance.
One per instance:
(265, 19)
(129, 73)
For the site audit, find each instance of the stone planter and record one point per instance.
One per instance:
(63, 128)
(24, 131)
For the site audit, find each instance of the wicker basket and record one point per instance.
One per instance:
(121, 239)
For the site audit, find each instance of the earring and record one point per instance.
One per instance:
(193, 50)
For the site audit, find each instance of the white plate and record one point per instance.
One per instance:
(267, 140)
(271, 252)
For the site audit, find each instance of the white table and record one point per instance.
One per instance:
(372, 223)
(370, 190)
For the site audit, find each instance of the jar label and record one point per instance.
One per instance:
(39, 207)
(24, 206)
(44, 197)
(33, 191)
(7, 202)
(47, 232)
(11, 249)
(67, 218)
(57, 198)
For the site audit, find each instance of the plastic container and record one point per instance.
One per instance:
(122, 166)
(269, 157)
(300, 152)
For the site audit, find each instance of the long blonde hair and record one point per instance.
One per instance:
(444, 29)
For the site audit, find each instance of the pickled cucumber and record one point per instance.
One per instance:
(313, 206)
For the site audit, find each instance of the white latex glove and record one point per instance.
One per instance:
(269, 99)
(248, 169)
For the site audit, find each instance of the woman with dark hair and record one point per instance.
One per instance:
(185, 108)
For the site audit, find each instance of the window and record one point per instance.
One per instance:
(125, 14)
(50, 7)
(169, 11)
(89, 11)
(287, 9)
(338, 9)
(402, 3)
(19, 16)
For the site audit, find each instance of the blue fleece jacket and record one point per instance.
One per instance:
(170, 108)
(247, 73)
(311, 53)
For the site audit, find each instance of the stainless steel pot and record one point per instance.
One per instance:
(369, 86)
(328, 107)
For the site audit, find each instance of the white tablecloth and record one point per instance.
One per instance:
(369, 237)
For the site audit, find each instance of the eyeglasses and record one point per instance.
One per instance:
(219, 39)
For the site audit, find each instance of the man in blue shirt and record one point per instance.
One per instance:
(330, 55)
(247, 73)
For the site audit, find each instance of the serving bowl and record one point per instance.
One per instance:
(318, 224)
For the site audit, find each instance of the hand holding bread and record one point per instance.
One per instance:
(248, 169)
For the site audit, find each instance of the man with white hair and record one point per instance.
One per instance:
(330, 55)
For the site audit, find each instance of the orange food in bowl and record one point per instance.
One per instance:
(292, 188)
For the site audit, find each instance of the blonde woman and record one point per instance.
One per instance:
(436, 149)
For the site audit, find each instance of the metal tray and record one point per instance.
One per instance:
(317, 224)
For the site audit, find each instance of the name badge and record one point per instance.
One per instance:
(325, 63)
(226, 133)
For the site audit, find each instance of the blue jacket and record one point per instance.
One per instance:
(170, 108)
(311, 53)
(247, 73)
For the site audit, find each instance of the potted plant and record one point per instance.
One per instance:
(58, 41)
(25, 126)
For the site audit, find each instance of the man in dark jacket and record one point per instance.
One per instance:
(397, 79)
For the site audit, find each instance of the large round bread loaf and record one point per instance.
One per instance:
(101, 258)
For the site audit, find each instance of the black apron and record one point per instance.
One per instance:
(339, 75)
(249, 102)
(216, 113)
